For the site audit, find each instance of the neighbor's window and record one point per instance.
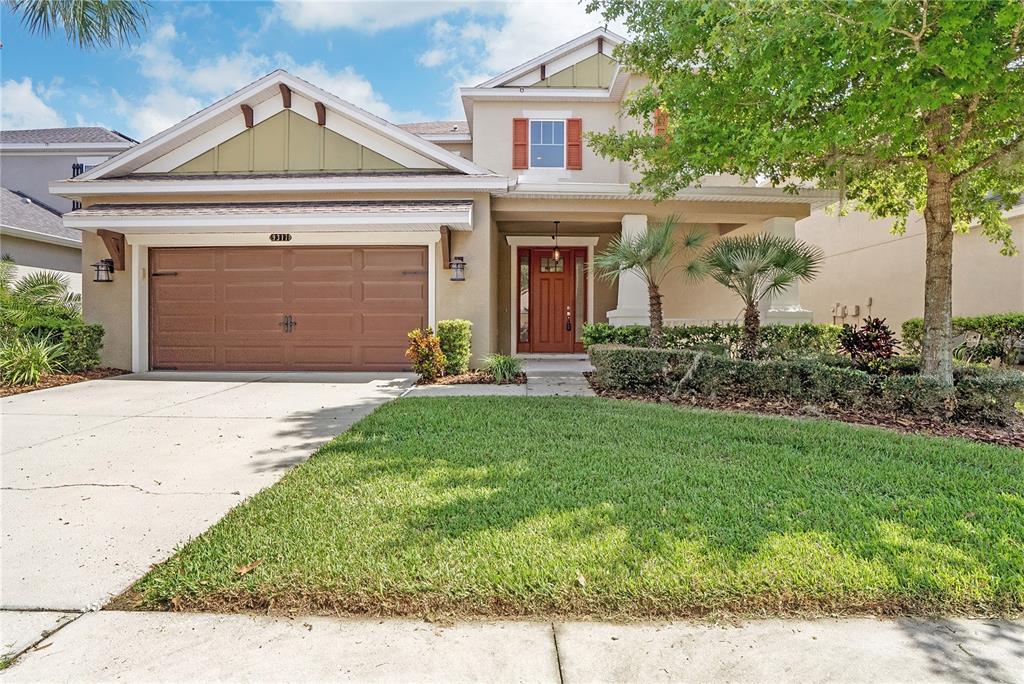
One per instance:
(547, 144)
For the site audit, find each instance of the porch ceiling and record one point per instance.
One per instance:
(517, 210)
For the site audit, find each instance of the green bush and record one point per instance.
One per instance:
(82, 345)
(425, 355)
(503, 368)
(980, 395)
(24, 361)
(776, 340)
(455, 336)
(994, 330)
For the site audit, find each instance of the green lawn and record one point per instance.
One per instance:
(517, 506)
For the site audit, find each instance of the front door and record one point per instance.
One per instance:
(554, 302)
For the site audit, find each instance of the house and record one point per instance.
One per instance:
(31, 231)
(869, 271)
(283, 228)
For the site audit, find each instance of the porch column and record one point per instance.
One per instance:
(785, 307)
(633, 304)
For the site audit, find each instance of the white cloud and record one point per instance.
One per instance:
(158, 110)
(21, 107)
(368, 16)
(436, 57)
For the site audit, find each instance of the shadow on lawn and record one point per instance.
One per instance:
(848, 514)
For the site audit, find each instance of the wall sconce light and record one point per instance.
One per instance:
(458, 266)
(104, 271)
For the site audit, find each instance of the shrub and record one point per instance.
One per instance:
(776, 340)
(455, 336)
(996, 330)
(81, 345)
(869, 345)
(425, 354)
(23, 361)
(503, 368)
(980, 394)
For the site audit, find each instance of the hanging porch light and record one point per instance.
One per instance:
(557, 254)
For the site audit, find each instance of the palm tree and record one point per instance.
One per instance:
(87, 23)
(649, 255)
(756, 266)
(39, 299)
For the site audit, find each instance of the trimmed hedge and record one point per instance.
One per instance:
(993, 330)
(776, 340)
(981, 395)
(456, 336)
(82, 344)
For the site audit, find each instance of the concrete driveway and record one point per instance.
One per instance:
(104, 478)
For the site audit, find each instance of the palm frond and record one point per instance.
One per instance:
(86, 23)
(648, 254)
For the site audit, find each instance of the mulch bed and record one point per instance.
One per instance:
(1011, 435)
(472, 378)
(58, 379)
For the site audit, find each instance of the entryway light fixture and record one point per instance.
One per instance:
(104, 271)
(557, 255)
(458, 266)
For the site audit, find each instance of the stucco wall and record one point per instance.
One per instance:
(42, 254)
(32, 175)
(864, 260)
(108, 304)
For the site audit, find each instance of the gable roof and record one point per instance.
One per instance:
(254, 94)
(612, 39)
(436, 127)
(21, 216)
(57, 136)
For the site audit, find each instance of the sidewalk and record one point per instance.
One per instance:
(177, 647)
(548, 375)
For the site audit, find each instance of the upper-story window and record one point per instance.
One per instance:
(547, 144)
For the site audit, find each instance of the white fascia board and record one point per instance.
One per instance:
(249, 186)
(377, 237)
(709, 194)
(457, 220)
(447, 137)
(524, 93)
(553, 54)
(108, 148)
(16, 231)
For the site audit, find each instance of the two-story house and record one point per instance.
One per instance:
(31, 231)
(283, 228)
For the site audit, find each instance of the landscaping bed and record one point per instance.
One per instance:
(587, 507)
(472, 378)
(57, 379)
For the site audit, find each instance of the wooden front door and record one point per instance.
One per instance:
(553, 315)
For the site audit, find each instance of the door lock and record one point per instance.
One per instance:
(568, 319)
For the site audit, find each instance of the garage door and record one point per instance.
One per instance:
(272, 308)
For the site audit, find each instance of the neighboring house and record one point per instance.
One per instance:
(869, 271)
(34, 236)
(32, 232)
(283, 228)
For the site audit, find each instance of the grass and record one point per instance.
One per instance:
(592, 507)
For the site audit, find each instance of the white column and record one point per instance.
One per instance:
(785, 306)
(633, 304)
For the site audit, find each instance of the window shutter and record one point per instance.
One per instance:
(660, 123)
(574, 144)
(520, 143)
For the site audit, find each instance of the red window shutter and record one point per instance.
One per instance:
(520, 143)
(574, 144)
(660, 122)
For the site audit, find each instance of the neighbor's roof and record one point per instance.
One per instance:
(58, 136)
(436, 127)
(32, 220)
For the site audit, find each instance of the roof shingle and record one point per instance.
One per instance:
(20, 211)
(437, 127)
(58, 136)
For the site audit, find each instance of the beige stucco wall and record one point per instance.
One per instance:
(865, 261)
(43, 255)
(108, 304)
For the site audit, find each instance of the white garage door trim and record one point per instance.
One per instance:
(141, 243)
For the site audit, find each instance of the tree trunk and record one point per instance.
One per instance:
(657, 339)
(751, 332)
(936, 348)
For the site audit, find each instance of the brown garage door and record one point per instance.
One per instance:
(228, 308)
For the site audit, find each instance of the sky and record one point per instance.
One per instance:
(400, 59)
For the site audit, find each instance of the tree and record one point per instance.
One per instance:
(86, 23)
(903, 105)
(755, 267)
(648, 255)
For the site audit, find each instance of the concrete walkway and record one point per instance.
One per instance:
(547, 375)
(196, 647)
(102, 479)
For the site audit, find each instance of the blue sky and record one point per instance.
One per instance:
(401, 59)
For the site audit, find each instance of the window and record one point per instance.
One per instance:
(547, 144)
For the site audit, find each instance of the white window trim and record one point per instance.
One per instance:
(565, 145)
(139, 268)
(517, 241)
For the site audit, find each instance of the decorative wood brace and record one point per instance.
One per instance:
(286, 95)
(247, 115)
(446, 247)
(321, 113)
(114, 243)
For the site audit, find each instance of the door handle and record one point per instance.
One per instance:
(568, 319)
(287, 323)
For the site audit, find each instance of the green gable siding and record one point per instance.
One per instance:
(595, 71)
(287, 142)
